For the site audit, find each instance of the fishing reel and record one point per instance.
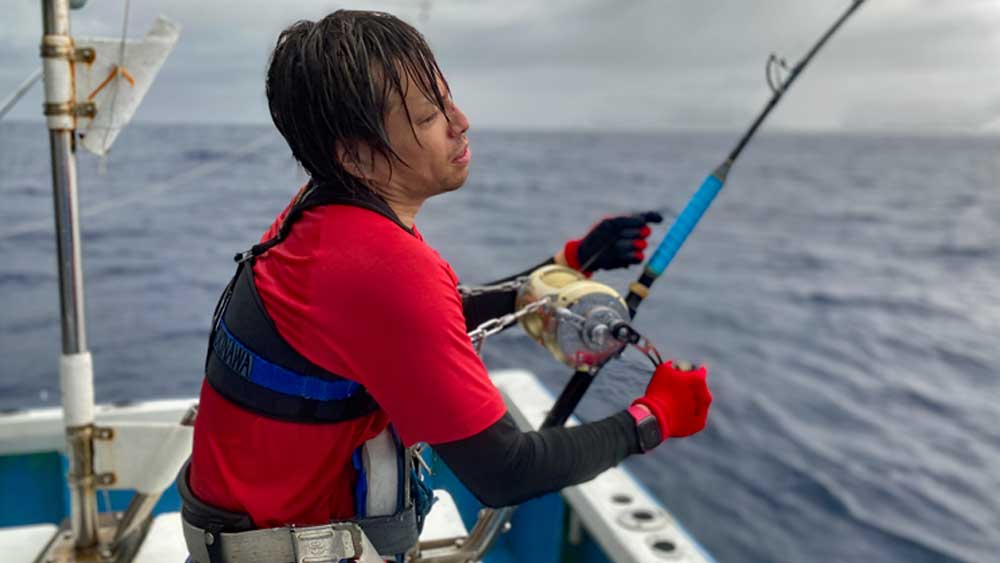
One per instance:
(583, 323)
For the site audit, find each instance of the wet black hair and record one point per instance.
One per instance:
(330, 81)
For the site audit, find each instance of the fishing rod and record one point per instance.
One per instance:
(702, 199)
(577, 387)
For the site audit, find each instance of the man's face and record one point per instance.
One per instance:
(434, 148)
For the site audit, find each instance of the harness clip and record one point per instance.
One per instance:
(242, 257)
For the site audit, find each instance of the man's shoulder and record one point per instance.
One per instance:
(339, 229)
(375, 244)
(353, 220)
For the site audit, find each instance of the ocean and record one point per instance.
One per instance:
(843, 291)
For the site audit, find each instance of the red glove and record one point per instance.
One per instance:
(678, 398)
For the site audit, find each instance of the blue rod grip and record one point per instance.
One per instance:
(685, 223)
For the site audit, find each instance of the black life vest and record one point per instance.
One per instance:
(251, 365)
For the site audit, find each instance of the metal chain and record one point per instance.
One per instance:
(473, 290)
(493, 326)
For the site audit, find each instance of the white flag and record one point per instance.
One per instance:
(117, 90)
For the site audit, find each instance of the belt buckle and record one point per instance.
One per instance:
(353, 532)
(325, 544)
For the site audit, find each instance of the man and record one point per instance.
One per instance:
(343, 320)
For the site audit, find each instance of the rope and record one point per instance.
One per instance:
(20, 91)
(146, 195)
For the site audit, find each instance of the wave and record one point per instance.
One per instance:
(202, 155)
(969, 251)
(24, 279)
(895, 305)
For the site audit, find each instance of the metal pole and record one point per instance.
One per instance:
(64, 195)
(75, 369)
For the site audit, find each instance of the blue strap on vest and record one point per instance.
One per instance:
(259, 371)
(250, 364)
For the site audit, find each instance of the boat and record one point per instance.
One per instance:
(96, 483)
(611, 518)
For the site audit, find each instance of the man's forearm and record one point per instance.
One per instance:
(502, 466)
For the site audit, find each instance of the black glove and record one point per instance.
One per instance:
(616, 242)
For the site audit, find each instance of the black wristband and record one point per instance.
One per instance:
(647, 428)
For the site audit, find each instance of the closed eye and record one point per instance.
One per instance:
(428, 118)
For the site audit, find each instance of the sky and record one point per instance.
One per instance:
(928, 66)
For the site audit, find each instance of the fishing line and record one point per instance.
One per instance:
(8, 103)
(119, 69)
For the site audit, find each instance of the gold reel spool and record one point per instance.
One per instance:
(577, 327)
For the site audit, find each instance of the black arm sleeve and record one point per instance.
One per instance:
(481, 308)
(502, 466)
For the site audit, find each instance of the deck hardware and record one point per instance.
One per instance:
(85, 109)
(665, 547)
(84, 55)
(190, 415)
(80, 109)
(642, 519)
(58, 108)
(55, 49)
(62, 547)
(104, 433)
(61, 49)
(621, 498)
(574, 529)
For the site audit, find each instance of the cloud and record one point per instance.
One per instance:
(622, 64)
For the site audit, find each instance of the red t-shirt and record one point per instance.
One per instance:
(359, 296)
